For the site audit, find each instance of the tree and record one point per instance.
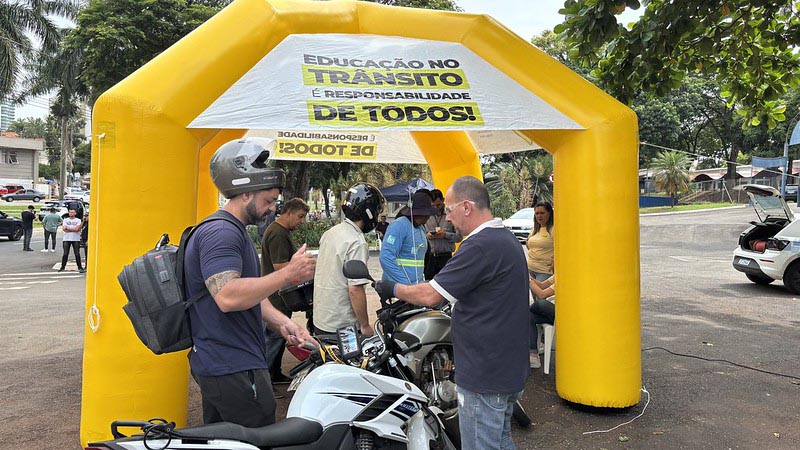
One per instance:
(671, 173)
(556, 46)
(446, 5)
(57, 70)
(747, 47)
(20, 21)
(29, 128)
(516, 180)
(119, 36)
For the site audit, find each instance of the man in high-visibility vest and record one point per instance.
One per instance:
(405, 243)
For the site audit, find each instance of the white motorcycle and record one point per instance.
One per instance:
(336, 407)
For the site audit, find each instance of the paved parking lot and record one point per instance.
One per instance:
(693, 302)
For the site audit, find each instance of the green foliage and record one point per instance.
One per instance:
(83, 158)
(29, 128)
(556, 46)
(20, 21)
(119, 36)
(747, 47)
(671, 172)
(517, 179)
(446, 5)
(49, 171)
(311, 232)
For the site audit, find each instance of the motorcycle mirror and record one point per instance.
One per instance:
(355, 270)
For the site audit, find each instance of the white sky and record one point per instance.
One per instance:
(527, 18)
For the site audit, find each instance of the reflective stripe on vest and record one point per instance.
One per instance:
(410, 262)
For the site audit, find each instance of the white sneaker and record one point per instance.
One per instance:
(45, 250)
(52, 250)
(535, 363)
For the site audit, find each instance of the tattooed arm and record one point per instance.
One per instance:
(234, 293)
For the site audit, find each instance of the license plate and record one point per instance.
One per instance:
(743, 262)
(298, 379)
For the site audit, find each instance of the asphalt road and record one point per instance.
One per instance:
(693, 302)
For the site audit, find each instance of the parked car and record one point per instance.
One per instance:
(3, 190)
(11, 188)
(24, 194)
(74, 194)
(791, 193)
(10, 227)
(769, 249)
(520, 223)
(62, 208)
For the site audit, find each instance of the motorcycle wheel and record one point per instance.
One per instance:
(520, 416)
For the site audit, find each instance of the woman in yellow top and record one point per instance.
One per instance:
(540, 266)
(540, 242)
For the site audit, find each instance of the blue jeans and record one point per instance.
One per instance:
(485, 420)
(274, 350)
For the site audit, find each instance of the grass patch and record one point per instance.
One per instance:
(16, 211)
(692, 207)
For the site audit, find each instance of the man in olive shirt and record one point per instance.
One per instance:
(51, 222)
(277, 249)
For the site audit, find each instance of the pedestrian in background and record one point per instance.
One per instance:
(51, 222)
(27, 228)
(72, 239)
(442, 237)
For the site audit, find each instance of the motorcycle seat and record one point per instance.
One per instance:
(292, 431)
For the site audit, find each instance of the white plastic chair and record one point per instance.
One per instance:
(549, 336)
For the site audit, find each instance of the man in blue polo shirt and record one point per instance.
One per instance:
(487, 281)
(228, 359)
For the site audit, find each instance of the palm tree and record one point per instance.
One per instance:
(18, 20)
(671, 172)
(57, 70)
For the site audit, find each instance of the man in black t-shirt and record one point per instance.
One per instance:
(487, 282)
(277, 249)
(27, 228)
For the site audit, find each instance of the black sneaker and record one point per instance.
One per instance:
(277, 394)
(82, 270)
(280, 378)
(61, 269)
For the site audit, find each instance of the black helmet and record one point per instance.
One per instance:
(241, 166)
(364, 202)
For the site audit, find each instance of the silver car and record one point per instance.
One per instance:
(24, 194)
(520, 223)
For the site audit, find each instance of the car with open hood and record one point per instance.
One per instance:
(769, 249)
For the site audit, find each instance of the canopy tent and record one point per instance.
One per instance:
(165, 121)
(401, 192)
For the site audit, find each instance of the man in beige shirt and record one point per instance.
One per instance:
(339, 301)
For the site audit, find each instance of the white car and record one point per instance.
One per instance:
(770, 249)
(520, 223)
(75, 194)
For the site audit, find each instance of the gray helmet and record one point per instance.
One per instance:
(242, 166)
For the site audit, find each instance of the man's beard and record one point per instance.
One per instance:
(253, 217)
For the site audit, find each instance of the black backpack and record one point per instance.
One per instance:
(154, 286)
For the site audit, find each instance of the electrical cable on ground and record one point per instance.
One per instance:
(644, 389)
(723, 361)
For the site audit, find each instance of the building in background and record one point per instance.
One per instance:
(7, 113)
(19, 160)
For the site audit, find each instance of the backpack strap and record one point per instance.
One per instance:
(187, 233)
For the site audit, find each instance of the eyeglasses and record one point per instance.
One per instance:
(448, 210)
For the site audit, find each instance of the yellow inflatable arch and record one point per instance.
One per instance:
(150, 175)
